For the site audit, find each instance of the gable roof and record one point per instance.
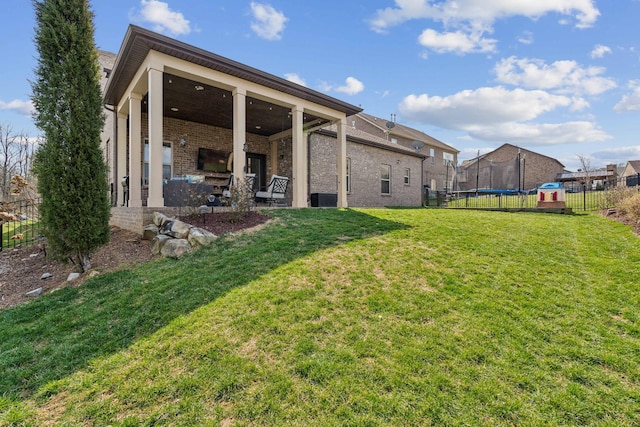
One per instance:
(361, 137)
(406, 132)
(635, 164)
(469, 162)
(139, 41)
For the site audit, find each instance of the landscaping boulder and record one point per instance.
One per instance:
(158, 242)
(160, 219)
(150, 231)
(199, 237)
(177, 229)
(175, 248)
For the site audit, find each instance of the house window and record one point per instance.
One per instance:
(348, 175)
(432, 155)
(167, 158)
(385, 179)
(407, 174)
(447, 159)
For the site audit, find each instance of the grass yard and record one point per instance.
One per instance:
(29, 229)
(357, 317)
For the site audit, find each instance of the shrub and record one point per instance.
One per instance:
(616, 195)
(241, 200)
(631, 206)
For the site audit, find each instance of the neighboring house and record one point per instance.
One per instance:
(630, 175)
(594, 179)
(440, 166)
(177, 111)
(508, 168)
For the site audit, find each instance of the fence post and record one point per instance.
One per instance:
(584, 197)
(1, 235)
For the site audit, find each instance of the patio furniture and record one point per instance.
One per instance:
(249, 181)
(276, 191)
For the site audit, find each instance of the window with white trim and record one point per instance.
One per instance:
(167, 162)
(432, 155)
(385, 179)
(407, 176)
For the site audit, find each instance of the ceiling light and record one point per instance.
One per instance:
(198, 87)
(258, 127)
(174, 109)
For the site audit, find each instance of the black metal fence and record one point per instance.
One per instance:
(20, 223)
(578, 200)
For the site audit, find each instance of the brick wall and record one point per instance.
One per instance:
(366, 162)
(499, 170)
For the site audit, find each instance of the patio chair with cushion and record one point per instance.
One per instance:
(249, 180)
(275, 193)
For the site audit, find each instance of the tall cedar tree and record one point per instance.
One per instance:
(71, 171)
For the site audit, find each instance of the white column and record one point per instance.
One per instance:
(239, 132)
(155, 139)
(135, 151)
(274, 157)
(341, 163)
(121, 155)
(300, 166)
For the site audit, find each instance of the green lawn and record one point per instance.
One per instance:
(357, 317)
(9, 229)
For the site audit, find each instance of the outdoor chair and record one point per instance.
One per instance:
(276, 191)
(249, 181)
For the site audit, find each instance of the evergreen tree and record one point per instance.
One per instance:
(71, 171)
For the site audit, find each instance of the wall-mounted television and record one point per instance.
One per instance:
(212, 160)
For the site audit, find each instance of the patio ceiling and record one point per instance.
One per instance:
(189, 100)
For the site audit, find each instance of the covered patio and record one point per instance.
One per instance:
(172, 102)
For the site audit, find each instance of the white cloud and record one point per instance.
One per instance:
(561, 76)
(497, 114)
(599, 51)
(533, 134)
(626, 153)
(268, 23)
(526, 38)
(21, 107)
(473, 18)
(482, 13)
(352, 86)
(487, 106)
(162, 18)
(295, 78)
(456, 42)
(630, 101)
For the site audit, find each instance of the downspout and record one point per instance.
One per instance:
(422, 180)
(309, 168)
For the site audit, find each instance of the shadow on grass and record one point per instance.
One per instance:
(59, 333)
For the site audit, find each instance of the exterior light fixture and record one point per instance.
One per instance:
(183, 142)
(199, 88)
(245, 147)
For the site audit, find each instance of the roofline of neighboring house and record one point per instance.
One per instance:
(425, 137)
(139, 41)
(363, 141)
(469, 162)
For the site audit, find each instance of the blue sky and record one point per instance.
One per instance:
(560, 77)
